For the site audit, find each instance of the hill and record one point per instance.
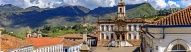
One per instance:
(35, 17)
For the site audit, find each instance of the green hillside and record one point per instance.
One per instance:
(18, 21)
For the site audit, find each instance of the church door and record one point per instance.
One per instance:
(118, 37)
(123, 37)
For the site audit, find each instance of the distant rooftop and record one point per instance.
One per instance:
(9, 42)
(182, 17)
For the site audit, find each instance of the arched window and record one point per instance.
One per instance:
(178, 48)
(120, 9)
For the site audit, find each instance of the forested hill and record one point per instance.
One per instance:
(15, 18)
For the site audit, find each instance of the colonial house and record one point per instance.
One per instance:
(13, 44)
(71, 46)
(91, 40)
(171, 33)
(46, 44)
(119, 31)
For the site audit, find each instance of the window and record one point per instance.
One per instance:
(135, 28)
(102, 35)
(120, 9)
(178, 47)
(129, 35)
(129, 27)
(111, 35)
(107, 26)
(66, 50)
(102, 28)
(134, 36)
(112, 28)
(123, 28)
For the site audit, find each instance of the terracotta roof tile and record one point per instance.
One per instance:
(44, 41)
(9, 42)
(182, 17)
(69, 43)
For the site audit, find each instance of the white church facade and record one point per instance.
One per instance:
(169, 34)
(119, 31)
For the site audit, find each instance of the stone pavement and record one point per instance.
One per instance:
(115, 49)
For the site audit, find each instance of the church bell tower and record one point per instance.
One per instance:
(121, 11)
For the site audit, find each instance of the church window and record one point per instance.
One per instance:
(135, 28)
(112, 28)
(102, 35)
(120, 9)
(129, 27)
(107, 26)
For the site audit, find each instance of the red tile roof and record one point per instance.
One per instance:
(9, 42)
(69, 43)
(182, 17)
(44, 41)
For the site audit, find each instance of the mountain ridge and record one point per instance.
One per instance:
(35, 17)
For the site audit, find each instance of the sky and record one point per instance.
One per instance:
(92, 4)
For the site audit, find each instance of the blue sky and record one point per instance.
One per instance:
(92, 4)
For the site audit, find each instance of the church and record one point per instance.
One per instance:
(120, 31)
(171, 33)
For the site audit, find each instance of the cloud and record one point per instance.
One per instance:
(91, 4)
(185, 3)
(172, 4)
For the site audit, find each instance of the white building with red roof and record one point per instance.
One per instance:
(46, 44)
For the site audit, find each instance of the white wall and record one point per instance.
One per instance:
(169, 38)
(52, 48)
(75, 48)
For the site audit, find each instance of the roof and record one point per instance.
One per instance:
(181, 17)
(1, 29)
(44, 41)
(9, 42)
(75, 36)
(69, 43)
(134, 20)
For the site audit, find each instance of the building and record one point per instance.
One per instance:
(119, 31)
(13, 44)
(169, 34)
(34, 35)
(91, 40)
(71, 46)
(46, 44)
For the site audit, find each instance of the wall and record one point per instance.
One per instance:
(51, 48)
(173, 34)
(75, 48)
(135, 28)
